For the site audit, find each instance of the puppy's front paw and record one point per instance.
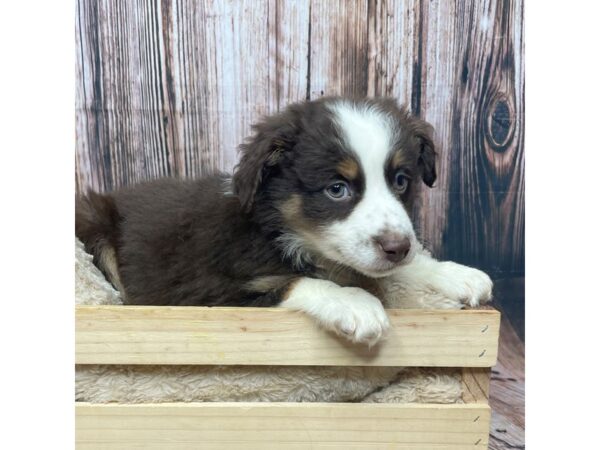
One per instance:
(356, 315)
(469, 286)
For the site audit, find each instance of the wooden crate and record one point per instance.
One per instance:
(275, 336)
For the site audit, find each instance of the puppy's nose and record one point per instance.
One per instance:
(394, 246)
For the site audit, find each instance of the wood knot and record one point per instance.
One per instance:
(500, 123)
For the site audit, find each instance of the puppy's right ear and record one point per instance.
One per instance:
(261, 153)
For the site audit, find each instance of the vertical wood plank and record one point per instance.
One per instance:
(84, 151)
(434, 76)
(289, 24)
(393, 48)
(474, 98)
(338, 48)
(124, 139)
(252, 64)
(193, 149)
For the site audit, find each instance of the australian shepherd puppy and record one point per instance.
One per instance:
(314, 218)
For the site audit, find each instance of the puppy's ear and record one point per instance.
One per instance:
(261, 154)
(427, 155)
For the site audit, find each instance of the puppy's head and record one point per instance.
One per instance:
(337, 177)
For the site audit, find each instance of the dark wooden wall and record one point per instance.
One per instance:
(172, 87)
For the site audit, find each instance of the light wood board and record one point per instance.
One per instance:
(282, 426)
(276, 336)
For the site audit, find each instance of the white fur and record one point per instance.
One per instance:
(431, 284)
(370, 134)
(294, 248)
(348, 311)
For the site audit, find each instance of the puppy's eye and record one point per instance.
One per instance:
(401, 181)
(338, 191)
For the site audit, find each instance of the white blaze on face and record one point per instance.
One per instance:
(370, 134)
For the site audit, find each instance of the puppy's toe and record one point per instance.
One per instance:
(345, 325)
(481, 287)
(372, 328)
(360, 317)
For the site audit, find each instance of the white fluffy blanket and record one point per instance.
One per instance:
(146, 384)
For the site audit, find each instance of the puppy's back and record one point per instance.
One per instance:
(175, 242)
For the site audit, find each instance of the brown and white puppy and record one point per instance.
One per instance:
(315, 216)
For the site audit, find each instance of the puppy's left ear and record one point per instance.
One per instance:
(261, 154)
(427, 155)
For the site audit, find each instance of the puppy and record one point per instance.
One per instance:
(315, 218)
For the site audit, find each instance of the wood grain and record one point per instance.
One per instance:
(475, 385)
(363, 48)
(475, 98)
(507, 392)
(338, 48)
(172, 87)
(276, 336)
(393, 48)
(282, 426)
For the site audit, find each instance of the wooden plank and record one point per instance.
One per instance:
(472, 91)
(276, 336)
(122, 135)
(288, 52)
(365, 47)
(256, 60)
(338, 48)
(507, 397)
(476, 385)
(393, 48)
(282, 426)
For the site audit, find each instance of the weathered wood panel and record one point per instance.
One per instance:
(172, 87)
(338, 48)
(363, 48)
(473, 93)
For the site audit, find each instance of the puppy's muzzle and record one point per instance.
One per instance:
(393, 247)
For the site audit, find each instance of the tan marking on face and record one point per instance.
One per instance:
(291, 209)
(348, 168)
(399, 159)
